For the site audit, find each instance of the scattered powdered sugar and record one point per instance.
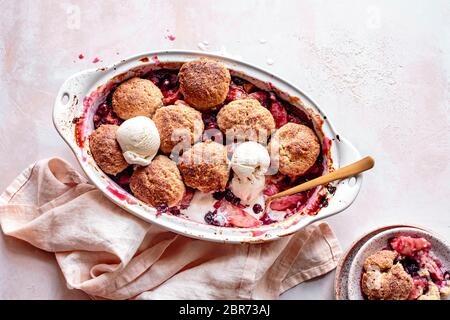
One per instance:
(262, 41)
(349, 66)
(270, 61)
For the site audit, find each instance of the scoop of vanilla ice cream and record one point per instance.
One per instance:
(250, 161)
(139, 140)
(247, 189)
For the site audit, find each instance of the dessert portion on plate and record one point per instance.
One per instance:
(405, 270)
(199, 143)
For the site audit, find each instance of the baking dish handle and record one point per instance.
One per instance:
(69, 103)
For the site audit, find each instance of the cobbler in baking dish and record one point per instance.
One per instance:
(406, 270)
(199, 143)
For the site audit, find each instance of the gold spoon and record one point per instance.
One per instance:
(341, 173)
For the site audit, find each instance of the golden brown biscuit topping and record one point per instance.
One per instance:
(178, 123)
(158, 183)
(204, 83)
(205, 167)
(106, 150)
(295, 147)
(136, 97)
(246, 120)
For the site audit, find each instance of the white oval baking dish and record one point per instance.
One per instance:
(69, 106)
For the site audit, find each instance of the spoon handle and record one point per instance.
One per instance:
(341, 173)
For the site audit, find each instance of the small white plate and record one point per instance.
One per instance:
(380, 241)
(341, 282)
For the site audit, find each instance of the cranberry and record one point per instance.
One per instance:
(105, 115)
(162, 208)
(123, 179)
(111, 118)
(103, 109)
(174, 211)
(218, 195)
(97, 121)
(257, 208)
(230, 197)
(164, 79)
(238, 81)
(210, 218)
(331, 189)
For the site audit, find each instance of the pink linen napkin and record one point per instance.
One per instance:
(110, 254)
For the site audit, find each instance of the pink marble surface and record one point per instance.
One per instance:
(380, 69)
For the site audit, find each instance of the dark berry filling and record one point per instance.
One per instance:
(410, 265)
(261, 96)
(239, 81)
(278, 112)
(105, 115)
(123, 178)
(231, 198)
(235, 93)
(211, 218)
(174, 211)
